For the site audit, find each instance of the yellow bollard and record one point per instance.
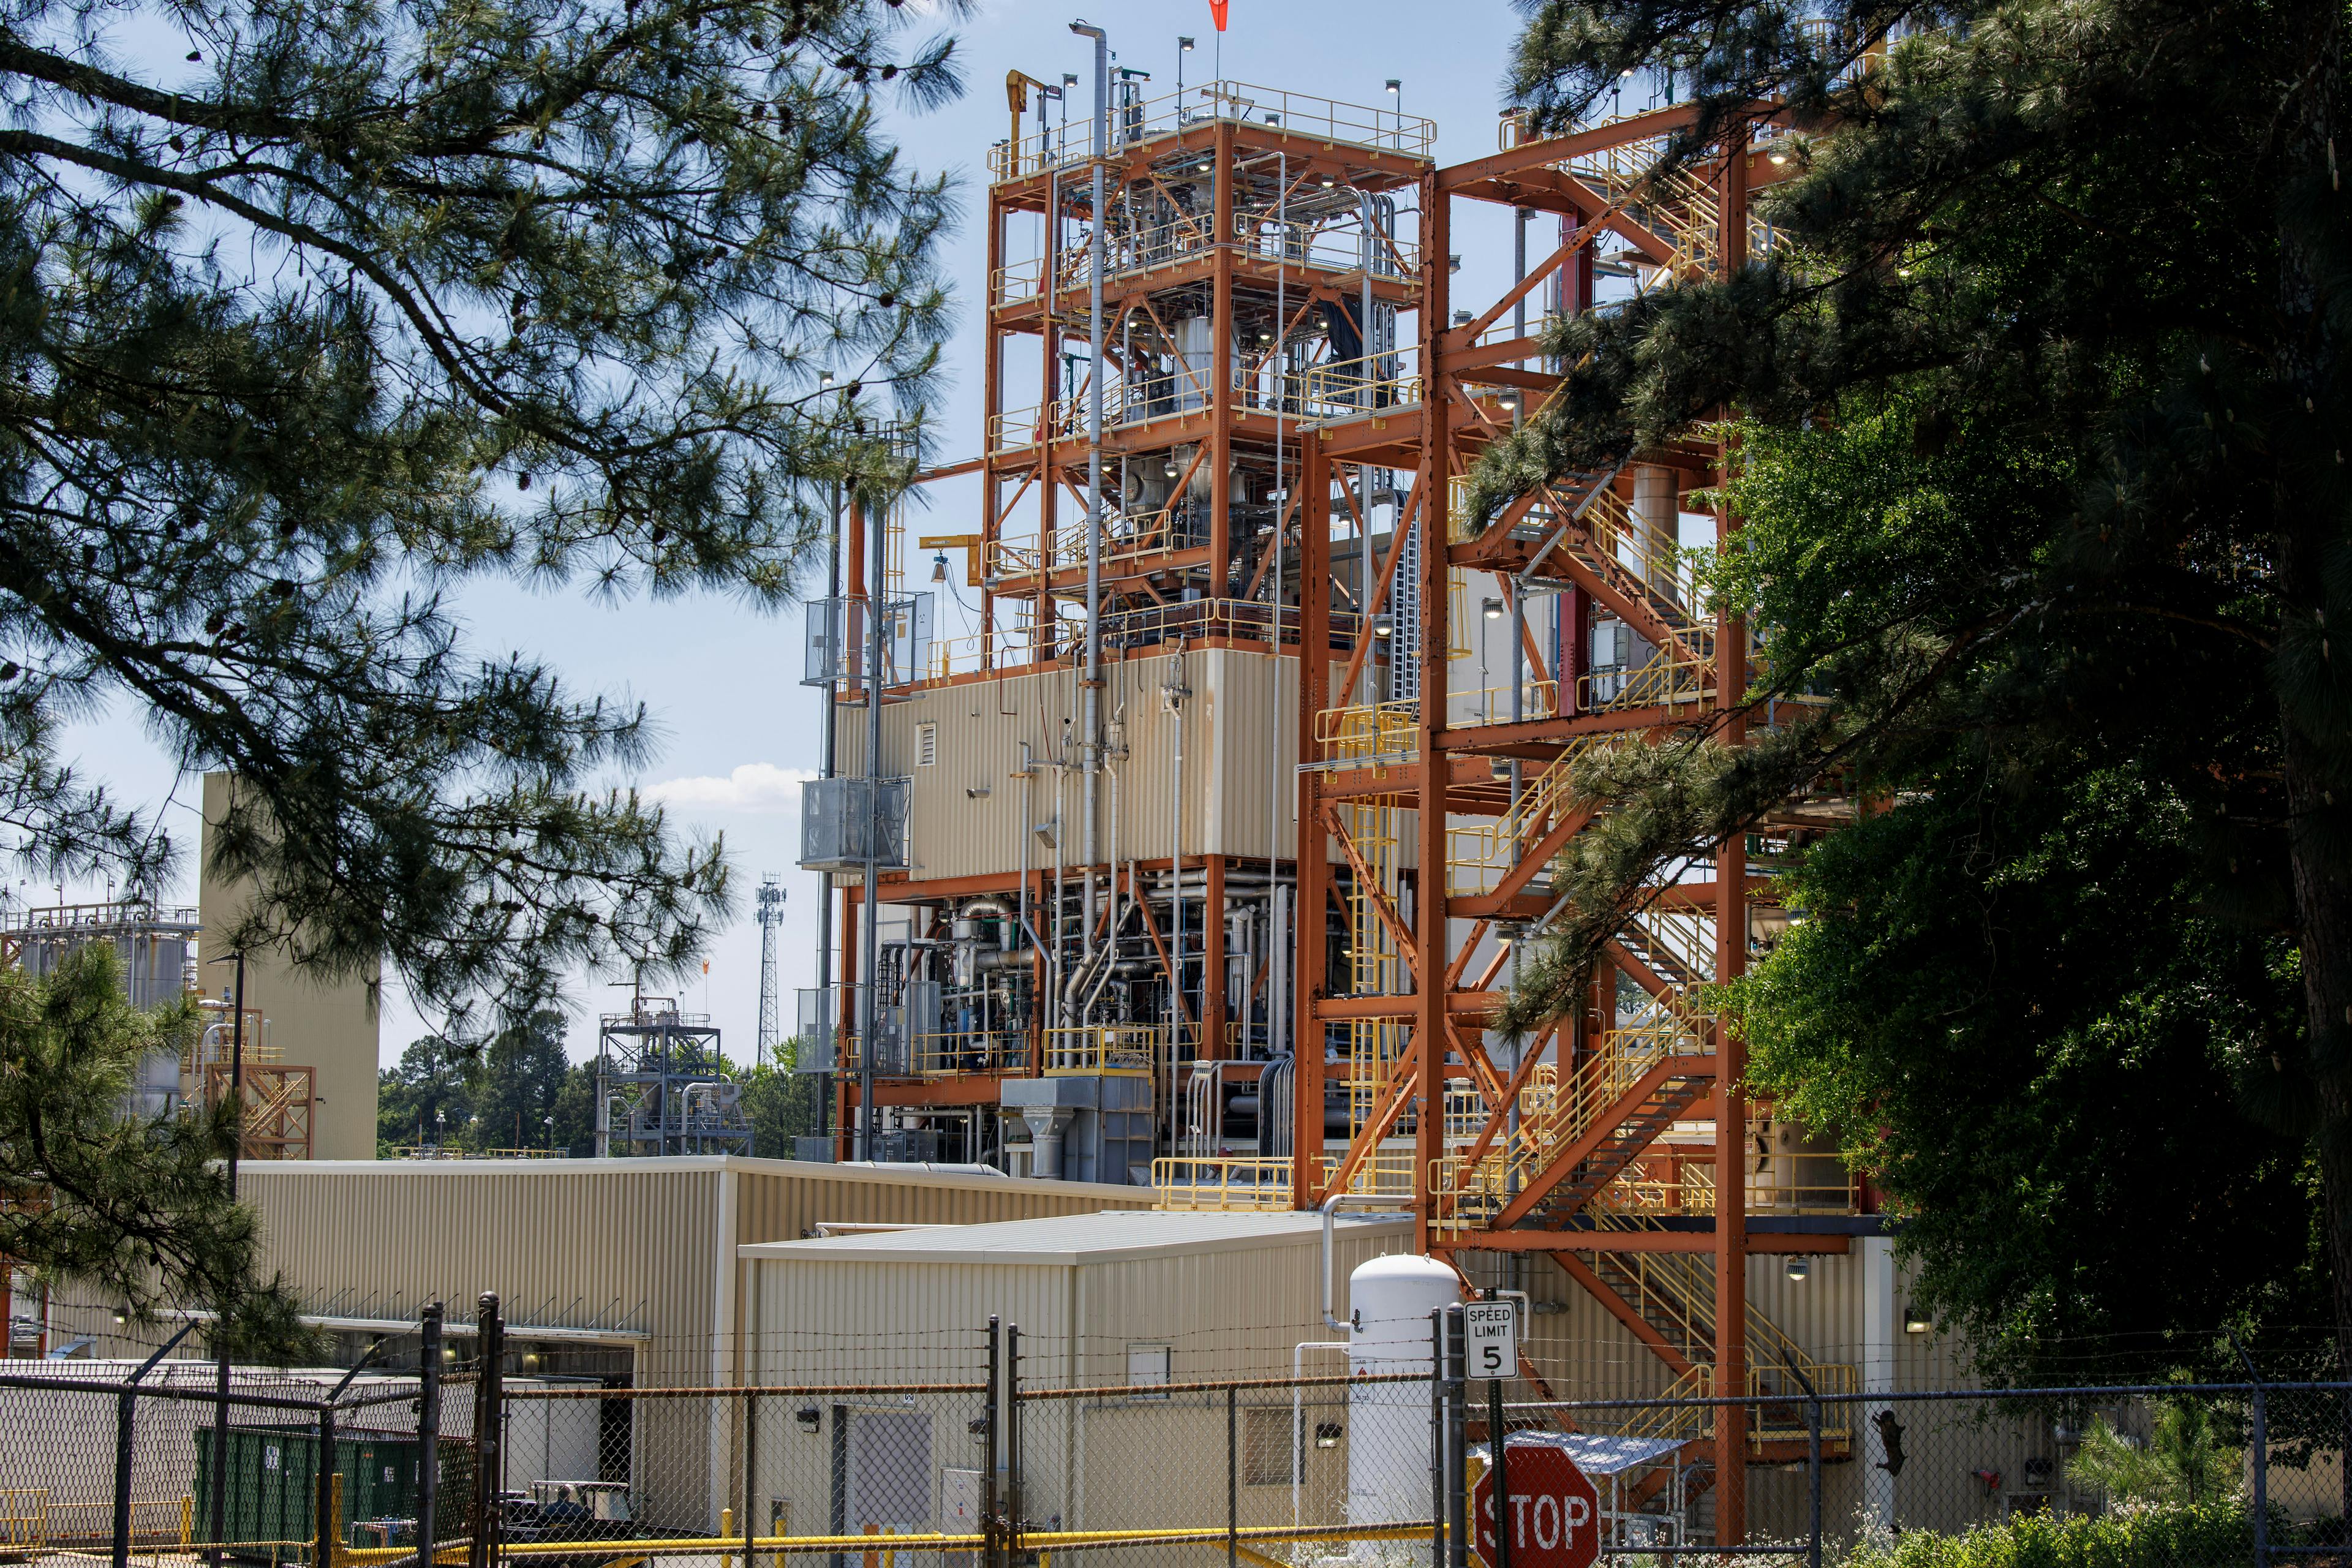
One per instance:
(726, 1530)
(187, 1519)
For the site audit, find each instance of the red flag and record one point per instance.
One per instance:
(1217, 13)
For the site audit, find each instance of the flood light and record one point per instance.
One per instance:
(1800, 1268)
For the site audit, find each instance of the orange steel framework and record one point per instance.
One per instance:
(1618, 1142)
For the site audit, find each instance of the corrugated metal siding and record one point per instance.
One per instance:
(598, 1245)
(1241, 746)
(1235, 1310)
(627, 1245)
(891, 1318)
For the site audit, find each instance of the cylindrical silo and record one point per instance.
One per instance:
(1388, 1423)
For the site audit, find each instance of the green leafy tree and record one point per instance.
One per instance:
(780, 1103)
(2041, 392)
(320, 313)
(575, 1110)
(516, 1084)
(426, 1098)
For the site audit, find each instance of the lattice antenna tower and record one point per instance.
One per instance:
(771, 918)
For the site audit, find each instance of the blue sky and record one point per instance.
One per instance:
(738, 728)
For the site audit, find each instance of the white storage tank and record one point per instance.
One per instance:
(1389, 1300)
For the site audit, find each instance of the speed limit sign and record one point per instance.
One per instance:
(1491, 1328)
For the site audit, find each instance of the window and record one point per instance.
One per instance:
(1265, 1446)
(926, 745)
(1146, 1367)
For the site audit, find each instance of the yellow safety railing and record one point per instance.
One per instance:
(948, 1054)
(1663, 682)
(1693, 1191)
(1492, 704)
(1092, 1050)
(1384, 1172)
(1480, 854)
(1550, 1121)
(1678, 1423)
(24, 1518)
(1369, 731)
(1221, 1182)
(1344, 389)
(1687, 937)
(452, 1152)
(1778, 1415)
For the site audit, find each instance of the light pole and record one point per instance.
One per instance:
(219, 1499)
(828, 1117)
(549, 1123)
(1183, 47)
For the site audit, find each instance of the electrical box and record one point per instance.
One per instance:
(843, 821)
(837, 640)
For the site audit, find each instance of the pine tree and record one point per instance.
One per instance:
(2043, 401)
(328, 311)
(136, 1208)
(359, 304)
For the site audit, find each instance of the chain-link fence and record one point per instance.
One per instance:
(1023, 1461)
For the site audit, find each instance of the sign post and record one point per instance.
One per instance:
(1552, 1511)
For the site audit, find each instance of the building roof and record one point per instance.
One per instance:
(852, 1171)
(1104, 1238)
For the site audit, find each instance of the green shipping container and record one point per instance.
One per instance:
(273, 1485)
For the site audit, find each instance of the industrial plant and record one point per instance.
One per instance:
(1167, 914)
(1203, 866)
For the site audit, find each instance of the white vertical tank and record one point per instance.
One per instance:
(1389, 1300)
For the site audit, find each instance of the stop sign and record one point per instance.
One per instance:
(1555, 1515)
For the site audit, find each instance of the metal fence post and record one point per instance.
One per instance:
(1457, 1451)
(1497, 1439)
(1232, 1477)
(1010, 1540)
(428, 1430)
(126, 1417)
(1813, 1480)
(323, 1531)
(125, 1413)
(2262, 1500)
(1436, 1437)
(490, 1413)
(992, 1406)
(750, 1470)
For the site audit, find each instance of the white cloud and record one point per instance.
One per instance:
(755, 788)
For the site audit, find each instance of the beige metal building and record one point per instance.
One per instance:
(1117, 1304)
(327, 1027)
(620, 1268)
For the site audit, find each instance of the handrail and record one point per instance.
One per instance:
(1326, 118)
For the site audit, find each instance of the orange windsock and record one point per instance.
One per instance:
(1217, 13)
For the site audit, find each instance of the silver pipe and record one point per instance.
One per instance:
(1365, 570)
(868, 1117)
(1175, 692)
(836, 607)
(1282, 485)
(1061, 894)
(1095, 263)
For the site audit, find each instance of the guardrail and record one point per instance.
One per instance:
(1326, 118)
